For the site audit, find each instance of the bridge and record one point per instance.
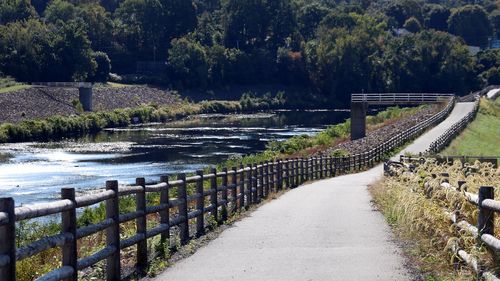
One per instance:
(360, 102)
(84, 90)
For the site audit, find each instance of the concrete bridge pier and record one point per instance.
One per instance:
(358, 120)
(85, 97)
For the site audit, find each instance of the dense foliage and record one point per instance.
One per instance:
(329, 47)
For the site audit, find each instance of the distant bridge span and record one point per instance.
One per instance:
(84, 90)
(360, 103)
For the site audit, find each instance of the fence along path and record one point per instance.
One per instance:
(487, 207)
(216, 195)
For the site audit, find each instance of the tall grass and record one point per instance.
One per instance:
(62, 126)
(415, 204)
(481, 137)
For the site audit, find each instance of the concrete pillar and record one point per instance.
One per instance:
(358, 120)
(85, 96)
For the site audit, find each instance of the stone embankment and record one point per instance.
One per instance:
(36, 103)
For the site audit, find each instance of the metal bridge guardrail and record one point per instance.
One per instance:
(63, 84)
(395, 98)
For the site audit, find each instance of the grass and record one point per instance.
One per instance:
(417, 214)
(8, 84)
(481, 137)
(14, 88)
(57, 127)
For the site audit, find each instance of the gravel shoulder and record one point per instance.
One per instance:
(38, 103)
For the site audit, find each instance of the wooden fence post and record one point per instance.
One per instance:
(255, 192)
(200, 205)
(313, 168)
(68, 225)
(280, 175)
(330, 161)
(266, 179)
(249, 185)
(142, 246)
(302, 176)
(293, 170)
(318, 167)
(308, 169)
(485, 219)
(224, 195)
(270, 183)
(164, 214)
(8, 239)
(297, 172)
(287, 173)
(242, 186)
(234, 190)
(113, 267)
(183, 209)
(213, 194)
(260, 176)
(321, 168)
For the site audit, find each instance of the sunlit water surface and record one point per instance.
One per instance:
(35, 172)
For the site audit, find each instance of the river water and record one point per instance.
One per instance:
(35, 172)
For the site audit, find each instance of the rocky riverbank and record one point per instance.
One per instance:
(39, 103)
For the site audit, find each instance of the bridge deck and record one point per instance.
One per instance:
(399, 98)
(62, 84)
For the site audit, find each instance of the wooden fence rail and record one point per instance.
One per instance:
(450, 134)
(484, 231)
(215, 196)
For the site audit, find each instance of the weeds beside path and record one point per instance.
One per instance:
(481, 137)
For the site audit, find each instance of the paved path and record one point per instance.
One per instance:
(423, 142)
(326, 230)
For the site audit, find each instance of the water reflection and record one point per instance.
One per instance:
(35, 172)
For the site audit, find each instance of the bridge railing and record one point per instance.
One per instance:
(63, 84)
(399, 98)
(184, 208)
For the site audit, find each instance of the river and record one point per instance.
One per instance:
(36, 171)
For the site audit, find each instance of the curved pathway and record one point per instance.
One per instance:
(326, 230)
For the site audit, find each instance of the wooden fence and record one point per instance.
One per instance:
(483, 232)
(216, 195)
(440, 159)
(450, 134)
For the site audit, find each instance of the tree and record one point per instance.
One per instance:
(33, 51)
(436, 17)
(401, 10)
(309, 17)
(471, 23)
(188, 61)
(345, 60)
(495, 21)
(103, 68)
(40, 5)
(15, 10)
(146, 27)
(412, 25)
(98, 24)
(73, 59)
(60, 10)
(246, 24)
(429, 61)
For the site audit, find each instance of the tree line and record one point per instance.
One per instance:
(331, 48)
